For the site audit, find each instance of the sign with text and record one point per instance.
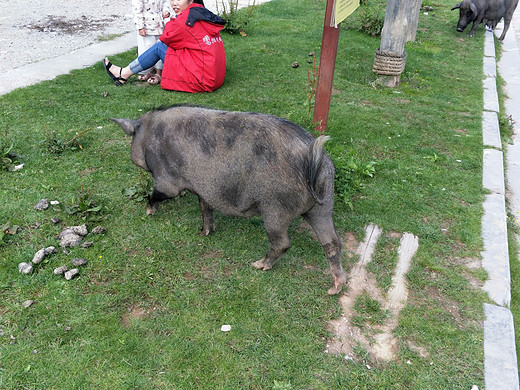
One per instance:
(342, 9)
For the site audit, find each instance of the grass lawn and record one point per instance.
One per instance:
(146, 311)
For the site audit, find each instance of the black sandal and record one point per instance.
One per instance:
(117, 80)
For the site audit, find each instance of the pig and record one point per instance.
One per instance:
(488, 12)
(241, 164)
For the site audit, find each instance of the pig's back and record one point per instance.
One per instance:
(242, 163)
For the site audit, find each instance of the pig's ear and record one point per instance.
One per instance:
(456, 6)
(129, 126)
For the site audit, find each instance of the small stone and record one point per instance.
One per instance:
(80, 230)
(312, 54)
(27, 303)
(72, 236)
(98, 230)
(225, 328)
(70, 239)
(295, 64)
(78, 262)
(60, 270)
(55, 220)
(54, 202)
(42, 205)
(86, 244)
(25, 268)
(40, 255)
(70, 274)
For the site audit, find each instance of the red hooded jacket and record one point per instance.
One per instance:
(195, 60)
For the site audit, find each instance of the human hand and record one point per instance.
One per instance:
(142, 32)
(166, 15)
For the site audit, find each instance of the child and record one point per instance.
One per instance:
(149, 18)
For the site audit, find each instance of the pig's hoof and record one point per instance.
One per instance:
(150, 210)
(261, 264)
(336, 286)
(206, 231)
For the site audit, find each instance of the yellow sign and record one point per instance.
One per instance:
(342, 9)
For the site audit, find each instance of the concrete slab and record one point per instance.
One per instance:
(491, 130)
(500, 362)
(490, 94)
(495, 257)
(489, 44)
(490, 67)
(493, 171)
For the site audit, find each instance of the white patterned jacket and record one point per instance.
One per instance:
(148, 15)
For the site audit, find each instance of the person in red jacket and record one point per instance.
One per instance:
(190, 47)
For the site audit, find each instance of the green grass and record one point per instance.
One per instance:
(146, 311)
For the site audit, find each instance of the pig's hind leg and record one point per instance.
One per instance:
(321, 221)
(208, 224)
(277, 232)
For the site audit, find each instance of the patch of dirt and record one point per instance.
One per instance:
(63, 25)
(350, 244)
(378, 340)
(471, 264)
(134, 312)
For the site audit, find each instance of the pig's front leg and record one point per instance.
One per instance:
(154, 200)
(162, 190)
(208, 224)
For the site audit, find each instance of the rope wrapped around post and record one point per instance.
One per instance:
(388, 63)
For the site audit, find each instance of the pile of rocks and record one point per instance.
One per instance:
(71, 236)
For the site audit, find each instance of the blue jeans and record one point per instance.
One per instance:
(149, 58)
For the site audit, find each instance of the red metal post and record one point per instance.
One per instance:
(329, 48)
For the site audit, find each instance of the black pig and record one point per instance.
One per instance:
(488, 12)
(242, 164)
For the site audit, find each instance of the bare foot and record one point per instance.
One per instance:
(144, 77)
(154, 80)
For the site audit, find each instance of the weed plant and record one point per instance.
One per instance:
(236, 20)
(147, 310)
(7, 156)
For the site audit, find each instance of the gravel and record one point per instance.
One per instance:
(40, 29)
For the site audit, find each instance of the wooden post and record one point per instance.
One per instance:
(329, 49)
(400, 25)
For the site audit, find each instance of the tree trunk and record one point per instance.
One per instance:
(412, 26)
(401, 17)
